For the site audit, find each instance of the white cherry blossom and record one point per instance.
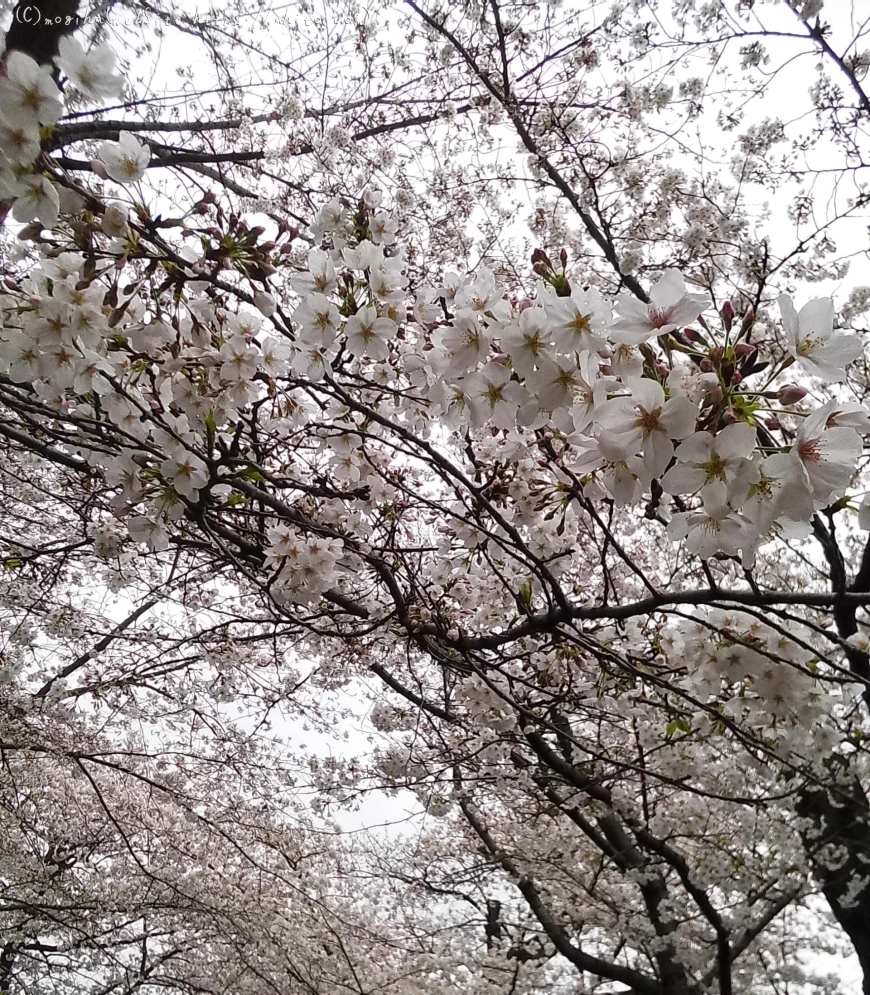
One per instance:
(483, 296)
(275, 356)
(671, 307)
(318, 319)
(126, 160)
(149, 530)
(93, 72)
(19, 142)
(463, 342)
(781, 491)
(383, 228)
(493, 397)
(265, 303)
(368, 335)
(811, 340)
(37, 200)
(320, 278)
(364, 256)
(187, 473)
(827, 455)
(527, 341)
(28, 93)
(645, 422)
(706, 535)
(579, 322)
(239, 359)
(716, 466)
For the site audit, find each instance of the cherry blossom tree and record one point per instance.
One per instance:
(587, 536)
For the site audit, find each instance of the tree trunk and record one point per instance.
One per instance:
(838, 845)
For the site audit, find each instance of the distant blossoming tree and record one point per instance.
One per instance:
(587, 539)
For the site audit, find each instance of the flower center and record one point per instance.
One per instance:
(808, 451)
(809, 346)
(533, 343)
(714, 467)
(494, 394)
(582, 323)
(648, 420)
(659, 316)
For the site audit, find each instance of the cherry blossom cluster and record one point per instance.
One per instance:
(636, 403)
(649, 398)
(30, 106)
(759, 677)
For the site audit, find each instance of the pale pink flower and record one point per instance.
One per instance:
(318, 319)
(707, 535)
(483, 296)
(126, 160)
(811, 340)
(19, 142)
(37, 200)
(239, 359)
(368, 335)
(646, 423)
(828, 456)
(28, 94)
(187, 473)
(320, 276)
(579, 322)
(90, 72)
(671, 306)
(265, 303)
(383, 229)
(527, 341)
(717, 466)
(493, 398)
(464, 343)
(149, 531)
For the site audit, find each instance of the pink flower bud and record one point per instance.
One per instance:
(727, 315)
(791, 394)
(743, 349)
(729, 417)
(524, 304)
(774, 424)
